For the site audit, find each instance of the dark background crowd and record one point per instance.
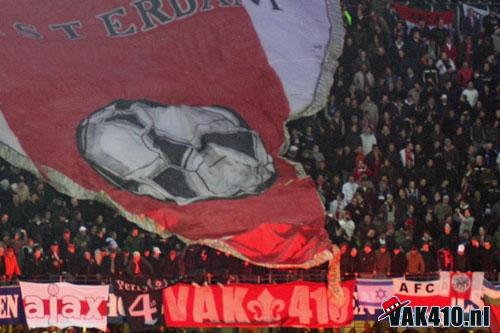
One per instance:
(405, 158)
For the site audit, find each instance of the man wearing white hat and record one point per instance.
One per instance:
(139, 267)
(462, 262)
(156, 261)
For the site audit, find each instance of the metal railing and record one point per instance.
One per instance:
(313, 275)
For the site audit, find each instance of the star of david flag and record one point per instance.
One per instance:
(371, 293)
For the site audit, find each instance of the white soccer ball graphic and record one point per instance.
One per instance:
(181, 153)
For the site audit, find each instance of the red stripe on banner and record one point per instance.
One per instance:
(298, 304)
(431, 18)
(213, 57)
(425, 301)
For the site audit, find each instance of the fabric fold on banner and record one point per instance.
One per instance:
(491, 294)
(297, 304)
(173, 119)
(64, 304)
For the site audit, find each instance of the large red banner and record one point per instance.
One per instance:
(170, 112)
(431, 18)
(297, 304)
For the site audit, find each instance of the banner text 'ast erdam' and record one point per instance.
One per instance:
(152, 15)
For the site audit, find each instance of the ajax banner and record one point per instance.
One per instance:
(64, 304)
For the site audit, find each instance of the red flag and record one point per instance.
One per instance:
(172, 112)
(462, 285)
(297, 304)
(412, 16)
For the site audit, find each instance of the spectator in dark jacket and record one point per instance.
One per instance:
(487, 258)
(429, 258)
(383, 262)
(139, 267)
(35, 265)
(367, 260)
(113, 266)
(475, 253)
(134, 242)
(445, 259)
(398, 262)
(352, 264)
(2, 262)
(462, 263)
(471, 25)
(54, 259)
(87, 265)
(344, 258)
(156, 262)
(72, 260)
(170, 266)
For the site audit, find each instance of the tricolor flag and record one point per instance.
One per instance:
(412, 16)
(173, 112)
(423, 293)
(491, 295)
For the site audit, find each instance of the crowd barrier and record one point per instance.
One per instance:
(311, 275)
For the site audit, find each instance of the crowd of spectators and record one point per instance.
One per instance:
(405, 156)
(45, 234)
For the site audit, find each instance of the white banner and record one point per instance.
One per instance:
(63, 305)
(439, 287)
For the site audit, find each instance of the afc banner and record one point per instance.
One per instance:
(297, 304)
(64, 304)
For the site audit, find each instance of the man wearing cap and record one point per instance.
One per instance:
(464, 218)
(81, 239)
(462, 263)
(157, 262)
(54, 259)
